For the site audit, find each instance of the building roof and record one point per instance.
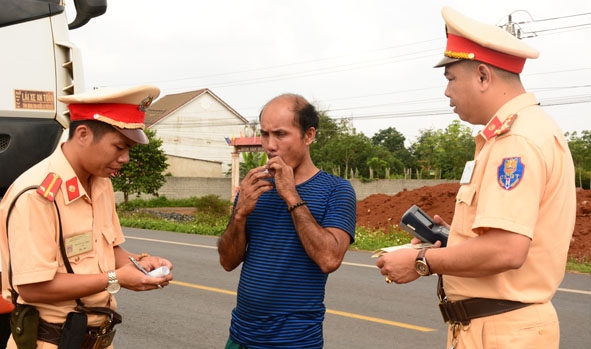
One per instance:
(248, 141)
(166, 105)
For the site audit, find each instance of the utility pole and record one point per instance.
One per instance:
(532, 28)
(510, 27)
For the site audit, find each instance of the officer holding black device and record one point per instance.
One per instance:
(515, 210)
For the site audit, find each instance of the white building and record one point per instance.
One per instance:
(194, 127)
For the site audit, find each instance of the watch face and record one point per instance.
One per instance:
(113, 288)
(422, 268)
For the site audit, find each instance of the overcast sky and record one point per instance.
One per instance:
(368, 60)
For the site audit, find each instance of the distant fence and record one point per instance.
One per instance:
(185, 187)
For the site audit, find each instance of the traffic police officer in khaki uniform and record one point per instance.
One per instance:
(105, 124)
(515, 210)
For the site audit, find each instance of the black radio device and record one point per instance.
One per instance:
(422, 226)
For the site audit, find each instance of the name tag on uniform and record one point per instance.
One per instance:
(468, 171)
(79, 244)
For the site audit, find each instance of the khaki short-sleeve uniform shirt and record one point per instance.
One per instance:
(90, 231)
(522, 182)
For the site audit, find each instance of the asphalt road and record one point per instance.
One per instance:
(362, 310)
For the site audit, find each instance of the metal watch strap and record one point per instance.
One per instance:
(112, 276)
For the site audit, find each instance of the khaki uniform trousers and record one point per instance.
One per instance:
(535, 326)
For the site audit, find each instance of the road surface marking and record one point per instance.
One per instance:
(568, 290)
(329, 311)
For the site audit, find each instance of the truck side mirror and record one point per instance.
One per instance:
(86, 10)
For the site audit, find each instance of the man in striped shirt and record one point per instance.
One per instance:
(291, 226)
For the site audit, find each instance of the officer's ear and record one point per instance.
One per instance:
(83, 134)
(484, 75)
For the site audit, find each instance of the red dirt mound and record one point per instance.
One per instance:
(380, 211)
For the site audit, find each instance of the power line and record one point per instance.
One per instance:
(392, 55)
(270, 73)
(327, 60)
(552, 101)
(518, 30)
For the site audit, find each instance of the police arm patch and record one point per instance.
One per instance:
(510, 173)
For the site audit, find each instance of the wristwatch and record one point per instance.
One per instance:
(421, 265)
(113, 285)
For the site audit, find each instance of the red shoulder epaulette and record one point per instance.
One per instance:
(50, 186)
(496, 127)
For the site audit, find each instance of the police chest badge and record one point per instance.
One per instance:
(510, 173)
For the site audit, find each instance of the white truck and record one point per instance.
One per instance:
(37, 65)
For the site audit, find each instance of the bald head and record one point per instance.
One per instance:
(305, 114)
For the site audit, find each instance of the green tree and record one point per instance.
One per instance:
(352, 155)
(393, 140)
(144, 173)
(328, 129)
(456, 146)
(343, 154)
(340, 150)
(251, 160)
(580, 148)
(377, 167)
(443, 153)
(423, 152)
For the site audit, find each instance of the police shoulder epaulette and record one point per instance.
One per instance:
(496, 128)
(49, 187)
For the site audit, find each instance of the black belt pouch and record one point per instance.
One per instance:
(74, 331)
(24, 324)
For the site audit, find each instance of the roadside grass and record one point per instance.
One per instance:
(372, 240)
(583, 267)
(212, 215)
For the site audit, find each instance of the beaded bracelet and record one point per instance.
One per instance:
(294, 206)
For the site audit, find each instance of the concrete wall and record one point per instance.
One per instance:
(185, 167)
(391, 186)
(185, 187)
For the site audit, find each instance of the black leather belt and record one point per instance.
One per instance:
(461, 312)
(93, 339)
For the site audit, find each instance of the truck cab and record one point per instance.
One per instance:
(37, 65)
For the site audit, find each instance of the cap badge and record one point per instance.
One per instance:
(145, 103)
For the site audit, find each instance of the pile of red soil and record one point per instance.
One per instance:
(380, 211)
